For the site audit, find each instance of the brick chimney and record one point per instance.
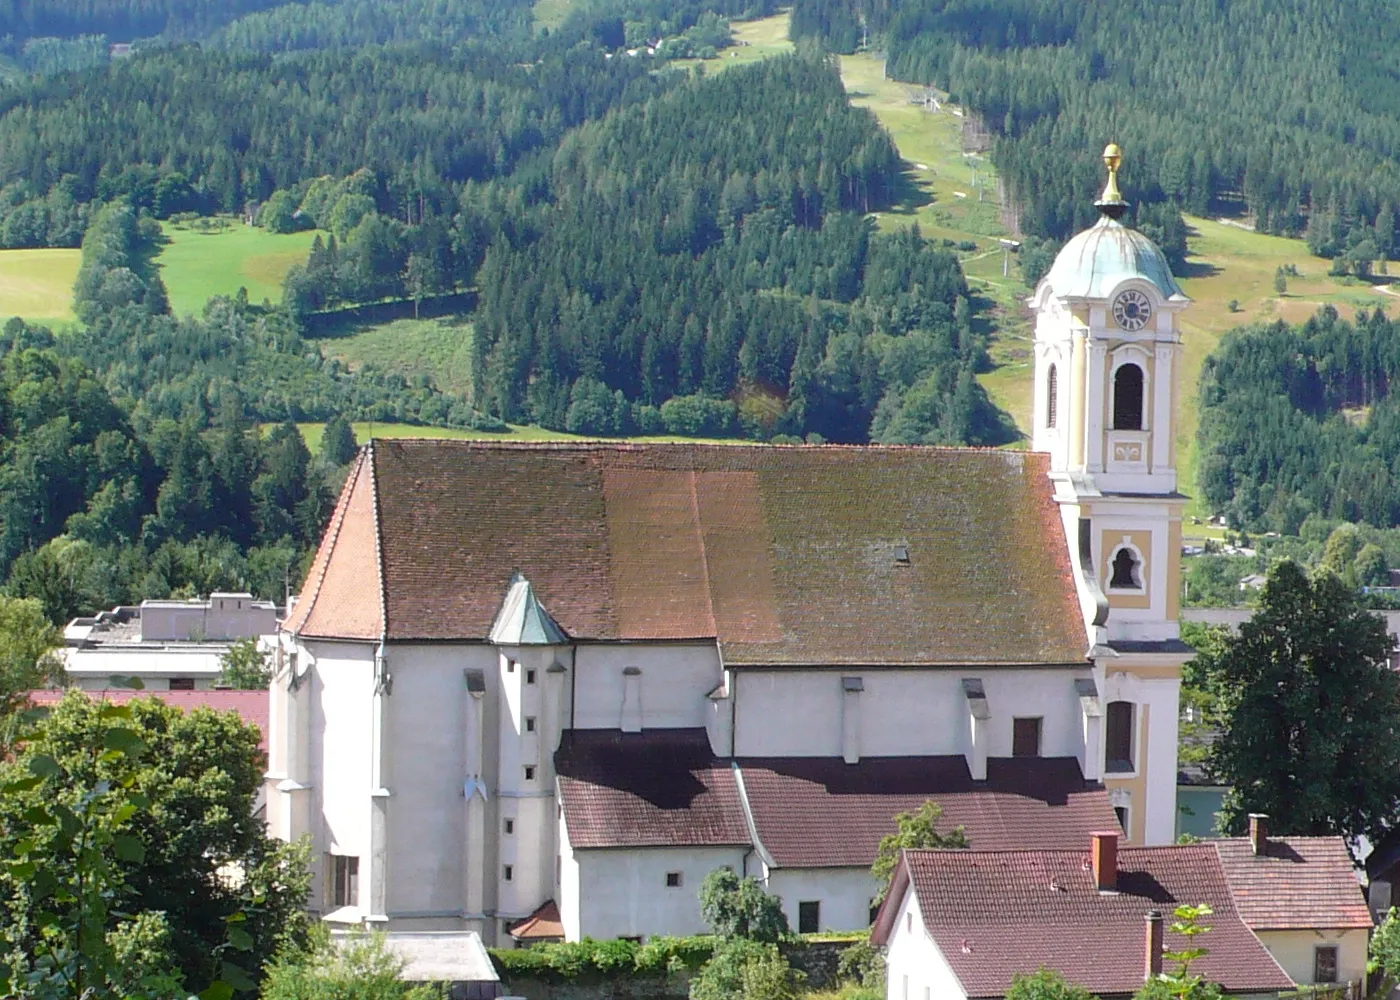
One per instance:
(1259, 833)
(1104, 857)
(1152, 964)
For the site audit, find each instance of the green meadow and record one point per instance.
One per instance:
(440, 348)
(38, 284)
(196, 264)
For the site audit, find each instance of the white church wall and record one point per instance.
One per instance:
(342, 678)
(570, 883)
(915, 968)
(844, 895)
(903, 712)
(623, 892)
(674, 682)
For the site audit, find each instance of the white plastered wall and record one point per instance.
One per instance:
(798, 713)
(623, 892)
(844, 895)
(672, 685)
(1294, 951)
(914, 966)
(1151, 787)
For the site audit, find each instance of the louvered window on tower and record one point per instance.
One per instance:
(1052, 396)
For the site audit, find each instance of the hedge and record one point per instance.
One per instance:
(590, 961)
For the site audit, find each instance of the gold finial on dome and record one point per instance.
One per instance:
(1111, 202)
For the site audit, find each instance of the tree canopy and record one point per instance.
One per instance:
(1308, 703)
(917, 829)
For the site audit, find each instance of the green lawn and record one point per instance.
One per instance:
(198, 265)
(551, 13)
(437, 347)
(38, 284)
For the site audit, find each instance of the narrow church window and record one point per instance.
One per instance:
(529, 677)
(509, 873)
(1125, 571)
(529, 772)
(1119, 743)
(1122, 813)
(1025, 737)
(510, 826)
(529, 723)
(1052, 396)
(345, 880)
(1127, 398)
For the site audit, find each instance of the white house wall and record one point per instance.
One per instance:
(1293, 950)
(623, 893)
(844, 895)
(914, 967)
(904, 712)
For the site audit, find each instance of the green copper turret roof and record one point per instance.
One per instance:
(1097, 260)
(523, 621)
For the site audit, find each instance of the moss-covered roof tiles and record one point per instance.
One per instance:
(785, 555)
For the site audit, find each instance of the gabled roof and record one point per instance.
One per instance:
(999, 913)
(663, 788)
(784, 555)
(523, 621)
(819, 812)
(544, 924)
(1297, 883)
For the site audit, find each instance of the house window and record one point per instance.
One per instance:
(529, 723)
(809, 916)
(182, 683)
(1127, 574)
(1025, 737)
(345, 880)
(1325, 963)
(529, 772)
(1119, 751)
(508, 873)
(510, 826)
(1052, 396)
(673, 880)
(529, 677)
(1127, 398)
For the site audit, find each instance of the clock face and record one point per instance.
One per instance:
(1132, 310)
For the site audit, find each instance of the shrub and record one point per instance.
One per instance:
(746, 970)
(362, 968)
(698, 416)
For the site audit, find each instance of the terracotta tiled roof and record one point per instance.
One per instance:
(817, 812)
(663, 788)
(342, 596)
(1298, 883)
(251, 706)
(785, 555)
(995, 914)
(544, 924)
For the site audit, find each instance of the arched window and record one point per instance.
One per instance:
(1118, 740)
(1052, 396)
(1127, 398)
(1126, 571)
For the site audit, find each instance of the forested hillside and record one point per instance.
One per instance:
(710, 247)
(1300, 420)
(1293, 109)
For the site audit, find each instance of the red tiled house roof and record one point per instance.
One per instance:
(252, 706)
(663, 788)
(544, 924)
(996, 914)
(784, 555)
(818, 812)
(1297, 883)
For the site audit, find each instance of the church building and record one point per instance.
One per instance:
(544, 689)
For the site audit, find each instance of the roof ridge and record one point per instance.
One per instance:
(623, 444)
(332, 535)
(383, 588)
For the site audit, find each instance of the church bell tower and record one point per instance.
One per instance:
(1107, 372)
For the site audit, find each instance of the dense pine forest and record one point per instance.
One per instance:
(1301, 420)
(1289, 110)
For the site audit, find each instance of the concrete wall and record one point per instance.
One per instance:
(844, 894)
(223, 616)
(914, 967)
(1293, 950)
(623, 893)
